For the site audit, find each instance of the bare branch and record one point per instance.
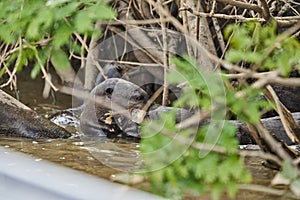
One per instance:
(241, 4)
(268, 190)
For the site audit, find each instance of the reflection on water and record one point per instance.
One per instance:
(117, 154)
(84, 156)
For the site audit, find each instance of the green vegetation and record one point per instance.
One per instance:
(219, 168)
(40, 31)
(263, 48)
(197, 160)
(189, 167)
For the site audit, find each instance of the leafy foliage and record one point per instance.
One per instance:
(176, 166)
(198, 171)
(39, 30)
(263, 48)
(290, 173)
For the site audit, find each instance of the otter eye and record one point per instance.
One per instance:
(138, 97)
(109, 91)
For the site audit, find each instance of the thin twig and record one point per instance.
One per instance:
(265, 189)
(45, 73)
(82, 41)
(290, 82)
(131, 63)
(266, 11)
(165, 61)
(194, 120)
(260, 154)
(287, 20)
(240, 4)
(153, 98)
(274, 145)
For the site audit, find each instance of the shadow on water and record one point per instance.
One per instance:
(116, 155)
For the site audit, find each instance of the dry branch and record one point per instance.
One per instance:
(289, 124)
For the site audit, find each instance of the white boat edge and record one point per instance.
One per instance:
(25, 177)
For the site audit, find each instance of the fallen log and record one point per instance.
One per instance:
(16, 119)
(272, 124)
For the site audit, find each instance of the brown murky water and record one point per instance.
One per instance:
(72, 153)
(89, 156)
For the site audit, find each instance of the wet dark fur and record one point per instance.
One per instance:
(109, 97)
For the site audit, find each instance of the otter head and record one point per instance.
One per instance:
(109, 110)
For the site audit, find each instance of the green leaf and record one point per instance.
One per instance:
(59, 59)
(83, 23)
(289, 171)
(33, 30)
(235, 56)
(171, 176)
(183, 171)
(232, 188)
(101, 12)
(35, 71)
(48, 22)
(21, 61)
(2, 71)
(62, 36)
(252, 112)
(175, 77)
(228, 139)
(295, 187)
(66, 11)
(6, 34)
(217, 191)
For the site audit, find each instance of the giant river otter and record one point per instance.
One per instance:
(109, 108)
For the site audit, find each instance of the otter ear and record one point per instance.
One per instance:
(109, 91)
